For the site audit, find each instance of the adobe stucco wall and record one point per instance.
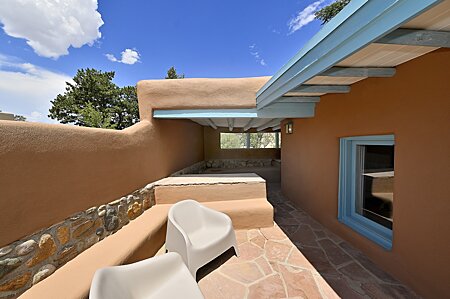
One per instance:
(415, 106)
(198, 93)
(213, 151)
(49, 172)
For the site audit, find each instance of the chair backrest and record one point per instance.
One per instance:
(188, 214)
(143, 279)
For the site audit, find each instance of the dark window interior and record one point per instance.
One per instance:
(375, 189)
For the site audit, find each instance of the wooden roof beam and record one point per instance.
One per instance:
(230, 122)
(310, 88)
(211, 123)
(293, 99)
(271, 123)
(359, 72)
(417, 37)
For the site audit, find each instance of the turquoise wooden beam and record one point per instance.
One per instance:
(415, 37)
(308, 88)
(230, 122)
(294, 99)
(359, 72)
(211, 123)
(276, 110)
(269, 124)
(360, 23)
(249, 124)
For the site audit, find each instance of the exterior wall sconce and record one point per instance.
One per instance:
(289, 128)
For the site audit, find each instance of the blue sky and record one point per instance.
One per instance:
(44, 42)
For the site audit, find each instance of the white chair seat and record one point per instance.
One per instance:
(198, 234)
(164, 276)
(206, 237)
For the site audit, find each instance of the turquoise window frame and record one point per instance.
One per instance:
(347, 190)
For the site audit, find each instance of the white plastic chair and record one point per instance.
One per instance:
(198, 234)
(164, 276)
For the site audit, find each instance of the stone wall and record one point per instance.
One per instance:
(202, 166)
(26, 262)
(193, 169)
(238, 163)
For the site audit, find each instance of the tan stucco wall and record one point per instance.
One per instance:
(198, 93)
(52, 171)
(6, 116)
(49, 172)
(415, 106)
(213, 150)
(210, 188)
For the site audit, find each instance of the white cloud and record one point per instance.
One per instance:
(111, 57)
(52, 26)
(304, 17)
(255, 53)
(27, 89)
(129, 56)
(36, 116)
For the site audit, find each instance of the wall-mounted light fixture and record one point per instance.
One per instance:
(289, 128)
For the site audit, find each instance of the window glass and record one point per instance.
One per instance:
(375, 183)
(250, 140)
(263, 140)
(233, 140)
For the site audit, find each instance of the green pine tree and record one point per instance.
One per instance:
(328, 12)
(172, 74)
(93, 100)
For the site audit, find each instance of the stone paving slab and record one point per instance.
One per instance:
(296, 258)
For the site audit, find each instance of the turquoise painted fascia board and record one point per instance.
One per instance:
(326, 29)
(277, 110)
(357, 25)
(347, 188)
(288, 110)
(206, 113)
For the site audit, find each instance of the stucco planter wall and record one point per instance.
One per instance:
(28, 261)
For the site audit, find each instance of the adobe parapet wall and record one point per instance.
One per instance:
(52, 171)
(56, 170)
(198, 93)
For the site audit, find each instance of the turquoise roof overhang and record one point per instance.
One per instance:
(360, 23)
(277, 110)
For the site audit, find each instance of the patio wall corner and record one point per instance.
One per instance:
(413, 106)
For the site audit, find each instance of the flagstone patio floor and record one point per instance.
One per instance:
(297, 258)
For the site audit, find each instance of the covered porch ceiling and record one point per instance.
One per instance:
(367, 39)
(252, 118)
